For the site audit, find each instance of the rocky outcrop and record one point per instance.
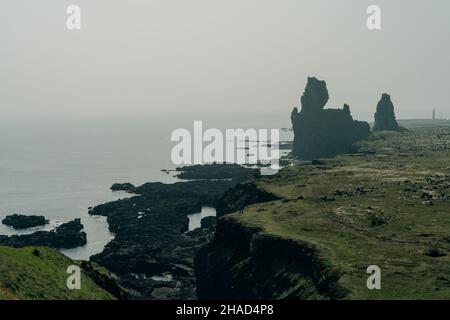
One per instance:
(105, 280)
(66, 236)
(208, 222)
(245, 263)
(126, 186)
(242, 195)
(214, 171)
(19, 221)
(320, 132)
(385, 116)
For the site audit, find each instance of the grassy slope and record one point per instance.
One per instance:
(24, 275)
(405, 165)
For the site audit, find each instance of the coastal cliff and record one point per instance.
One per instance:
(312, 230)
(255, 265)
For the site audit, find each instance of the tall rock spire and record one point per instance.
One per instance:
(315, 96)
(385, 116)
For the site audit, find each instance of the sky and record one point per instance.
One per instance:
(148, 57)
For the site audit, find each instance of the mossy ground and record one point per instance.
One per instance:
(386, 208)
(25, 275)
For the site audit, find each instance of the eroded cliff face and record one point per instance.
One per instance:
(245, 263)
(240, 196)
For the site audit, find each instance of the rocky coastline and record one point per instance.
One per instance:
(154, 255)
(153, 251)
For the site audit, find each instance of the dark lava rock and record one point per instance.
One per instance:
(36, 253)
(129, 187)
(66, 236)
(378, 219)
(385, 116)
(71, 226)
(319, 132)
(151, 230)
(327, 198)
(242, 195)
(315, 96)
(105, 280)
(214, 171)
(435, 252)
(208, 222)
(316, 162)
(19, 221)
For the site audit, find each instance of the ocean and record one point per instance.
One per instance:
(59, 167)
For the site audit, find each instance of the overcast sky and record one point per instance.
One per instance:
(216, 56)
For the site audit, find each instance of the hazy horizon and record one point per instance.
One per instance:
(221, 57)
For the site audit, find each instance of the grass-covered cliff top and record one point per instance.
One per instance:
(388, 206)
(41, 275)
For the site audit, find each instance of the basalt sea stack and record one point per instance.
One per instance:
(385, 116)
(320, 132)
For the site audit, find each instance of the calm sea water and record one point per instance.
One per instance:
(60, 167)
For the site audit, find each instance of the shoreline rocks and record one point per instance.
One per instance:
(66, 236)
(151, 230)
(128, 187)
(20, 221)
(213, 171)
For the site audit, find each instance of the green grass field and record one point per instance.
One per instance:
(390, 208)
(24, 274)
